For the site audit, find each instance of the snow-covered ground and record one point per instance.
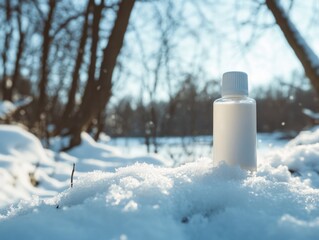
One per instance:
(116, 196)
(188, 149)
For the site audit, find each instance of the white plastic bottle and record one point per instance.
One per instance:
(234, 131)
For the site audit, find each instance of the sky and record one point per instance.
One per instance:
(209, 39)
(270, 55)
(218, 45)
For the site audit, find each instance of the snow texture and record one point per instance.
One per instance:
(23, 159)
(152, 201)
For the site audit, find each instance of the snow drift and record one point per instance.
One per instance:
(192, 201)
(27, 169)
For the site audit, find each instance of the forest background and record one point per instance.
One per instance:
(152, 68)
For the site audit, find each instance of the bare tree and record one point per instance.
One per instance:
(68, 110)
(305, 54)
(90, 84)
(51, 29)
(47, 40)
(7, 83)
(19, 52)
(102, 90)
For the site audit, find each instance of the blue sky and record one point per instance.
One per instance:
(218, 43)
(271, 56)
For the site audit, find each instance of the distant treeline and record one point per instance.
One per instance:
(189, 112)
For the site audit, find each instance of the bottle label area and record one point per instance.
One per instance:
(234, 135)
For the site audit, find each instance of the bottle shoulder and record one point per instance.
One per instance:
(235, 99)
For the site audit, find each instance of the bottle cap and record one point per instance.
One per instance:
(234, 83)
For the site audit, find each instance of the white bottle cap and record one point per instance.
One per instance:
(234, 83)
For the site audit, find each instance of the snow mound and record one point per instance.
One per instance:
(135, 200)
(193, 201)
(24, 164)
(27, 169)
(6, 108)
(17, 143)
(88, 144)
(300, 156)
(91, 155)
(306, 137)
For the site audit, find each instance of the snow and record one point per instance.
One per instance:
(146, 198)
(22, 156)
(7, 108)
(311, 114)
(306, 137)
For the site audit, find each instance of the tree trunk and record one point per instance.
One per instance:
(154, 127)
(6, 82)
(47, 39)
(305, 54)
(100, 124)
(101, 93)
(20, 49)
(90, 85)
(69, 108)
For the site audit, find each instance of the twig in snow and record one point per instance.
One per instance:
(33, 180)
(72, 174)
